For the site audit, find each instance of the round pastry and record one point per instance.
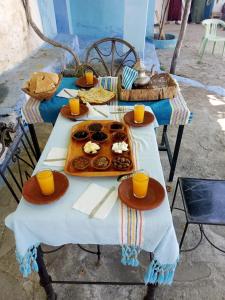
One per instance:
(91, 148)
(81, 163)
(120, 147)
(119, 136)
(115, 126)
(80, 135)
(99, 136)
(121, 163)
(101, 163)
(93, 127)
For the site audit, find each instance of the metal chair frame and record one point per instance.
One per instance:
(124, 58)
(202, 232)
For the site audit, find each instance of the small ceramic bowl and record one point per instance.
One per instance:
(92, 154)
(101, 162)
(80, 135)
(94, 127)
(120, 163)
(81, 163)
(119, 136)
(99, 137)
(116, 126)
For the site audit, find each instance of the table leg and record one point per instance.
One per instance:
(45, 279)
(34, 140)
(150, 295)
(163, 135)
(176, 152)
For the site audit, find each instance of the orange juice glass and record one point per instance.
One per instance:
(139, 112)
(46, 182)
(140, 184)
(74, 106)
(89, 77)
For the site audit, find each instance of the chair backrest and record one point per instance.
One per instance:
(109, 55)
(211, 26)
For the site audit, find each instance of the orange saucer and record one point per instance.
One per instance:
(66, 113)
(32, 192)
(129, 119)
(153, 199)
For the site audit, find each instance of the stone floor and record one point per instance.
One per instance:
(200, 274)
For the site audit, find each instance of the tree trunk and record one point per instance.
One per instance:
(181, 36)
(45, 38)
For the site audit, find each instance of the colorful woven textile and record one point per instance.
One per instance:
(128, 77)
(167, 112)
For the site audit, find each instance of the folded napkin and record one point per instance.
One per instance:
(71, 92)
(92, 196)
(128, 77)
(56, 157)
(100, 111)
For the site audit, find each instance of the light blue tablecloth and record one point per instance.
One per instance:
(57, 223)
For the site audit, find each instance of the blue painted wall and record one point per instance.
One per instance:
(150, 21)
(99, 18)
(61, 16)
(47, 13)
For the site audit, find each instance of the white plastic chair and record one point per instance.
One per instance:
(211, 26)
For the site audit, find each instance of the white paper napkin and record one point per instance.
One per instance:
(103, 111)
(56, 153)
(63, 94)
(92, 196)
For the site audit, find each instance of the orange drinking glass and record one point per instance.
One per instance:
(140, 184)
(89, 77)
(74, 106)
(46, 182)
(139, 112)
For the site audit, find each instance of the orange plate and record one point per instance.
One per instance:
(153, 199)
(32, 193)
(81, 82)
(75, 150)
(129, 119)
(66, 113)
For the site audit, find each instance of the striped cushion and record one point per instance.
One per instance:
(109, 83)
(128, 77)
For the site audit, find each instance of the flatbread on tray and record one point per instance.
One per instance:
(97, 95)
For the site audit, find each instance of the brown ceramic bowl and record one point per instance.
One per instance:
(123, 153)
(119, 136)
(80, 135)
(81, 163)
(116, 126)
(120, 162)
(92, 154)
(94, 127)
(101, 162)
(99, 137)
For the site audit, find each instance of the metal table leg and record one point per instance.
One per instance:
(165, 146)
(176, 152)
(34, 140)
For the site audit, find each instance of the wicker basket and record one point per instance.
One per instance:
(44, 95)
(161, 86)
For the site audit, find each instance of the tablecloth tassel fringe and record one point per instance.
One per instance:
(28, 261)
(130, 255)
(158, 273)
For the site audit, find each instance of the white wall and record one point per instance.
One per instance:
(16, 40)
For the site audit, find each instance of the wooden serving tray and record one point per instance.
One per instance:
(75, 150)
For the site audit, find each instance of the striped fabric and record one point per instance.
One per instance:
(109, 83)
(31, 111)
(180, 115)
(128, 77)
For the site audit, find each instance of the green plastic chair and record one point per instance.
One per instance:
(211, 26)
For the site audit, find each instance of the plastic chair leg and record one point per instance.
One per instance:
(214, 45)
(201, 45)
(223, 48)
(203, 48)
